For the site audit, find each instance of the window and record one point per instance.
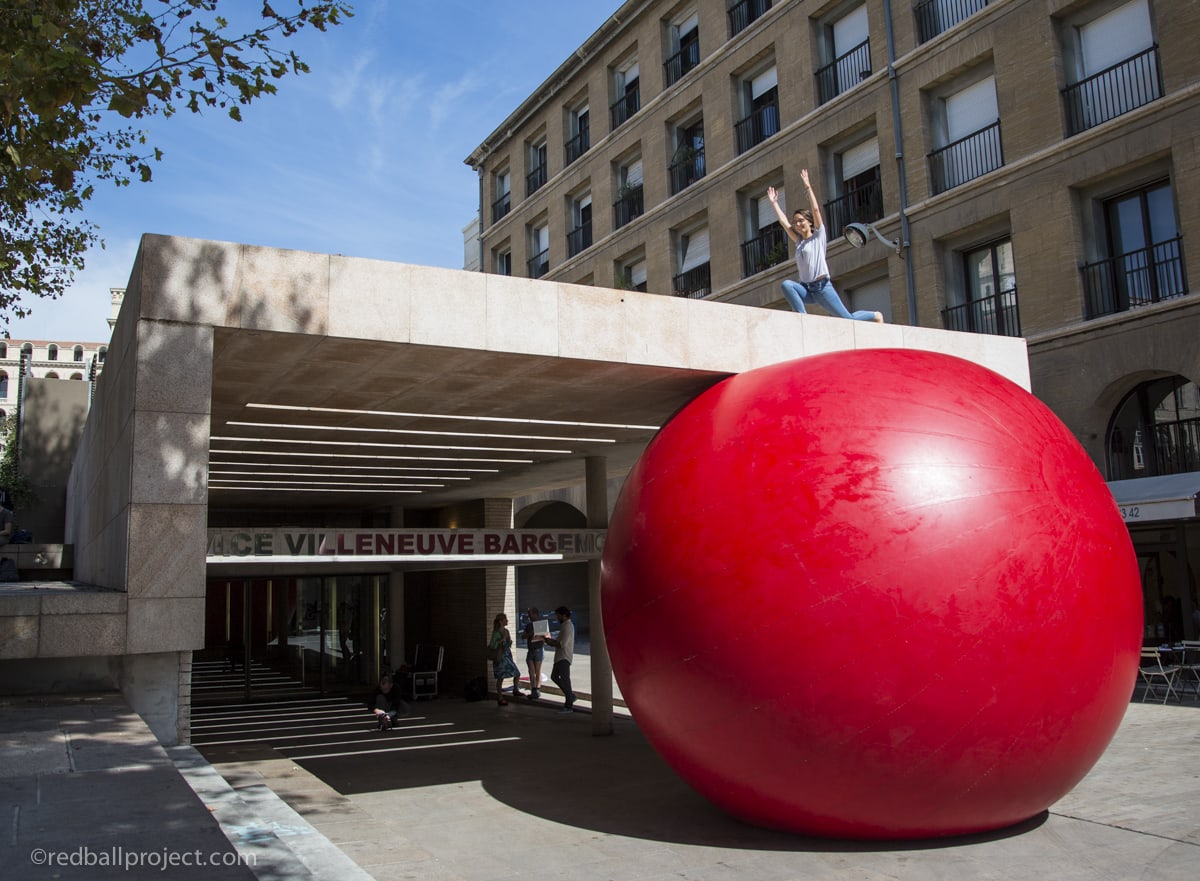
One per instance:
(52, 352)
(630, 199)
(1113, 65)
(935, 16)
(3, 350)
(628, 94)
(967, 129)
(694, 279)
(743, 13)
(102, 353)
(760, 103)
(579, 129)
(846, 47)
(539, 250)
(78, 353)
(687, 162)
(859, 188)
(537, 166)
(1145, 262)
(502, 261)
(27, 349)
(684, 35)
(988, 296)
(765, 244)
(1155, 430)
(502, 188)
(631, 273)
(3, 384)
(580, 236)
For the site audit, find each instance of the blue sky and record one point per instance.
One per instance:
(363, 156)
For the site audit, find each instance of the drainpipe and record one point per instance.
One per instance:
(480, 233)
(898, 136)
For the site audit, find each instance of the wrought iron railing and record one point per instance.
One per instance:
(1177, 446)
(625, 106)
(745, 13)
(539, 264)
(577, 146)
(682, 61)
(1136, 278)
(935, 16)
(767, 249)
(966, 159)
(996, 314)
(686, 171)
(758, 126)
(629, 206)
(501, 206)
(861, 204)
(1125, 86)
(579, 238)
(694, 284)
(844, 72)
(535, 179)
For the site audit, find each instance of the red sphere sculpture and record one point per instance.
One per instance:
(872, 594)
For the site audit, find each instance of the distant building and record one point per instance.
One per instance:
(1029, 165)
(471, 245)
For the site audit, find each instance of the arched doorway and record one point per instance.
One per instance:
(1155, 430)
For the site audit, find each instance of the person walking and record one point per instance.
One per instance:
(564, 653)
(503, 666)
(807, 230)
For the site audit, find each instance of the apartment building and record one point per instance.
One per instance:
(1015, 167)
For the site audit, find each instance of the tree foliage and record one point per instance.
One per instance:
(75, 75)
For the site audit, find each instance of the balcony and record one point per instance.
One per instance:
(935, 16)
(579, 238)
(996, 315)
(501, 206)
(861, 204)
(535, 179)
(745, 13)
(1125, 86)
(695, 284)
(966, 159)
(628, 207)
(844, 72)
(682, 61)
(577, 146)
(758, 126)
(765, 250)
(686, 171)
(1134, 279)
(539, 264)
(625, 106)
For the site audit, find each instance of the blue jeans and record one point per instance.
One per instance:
(561, 676)
(797, 293)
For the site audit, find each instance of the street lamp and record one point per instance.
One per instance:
(858, 233)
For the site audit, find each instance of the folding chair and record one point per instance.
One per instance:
(1155, 674)
(1189, 666)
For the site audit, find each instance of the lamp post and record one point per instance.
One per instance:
(857, 235)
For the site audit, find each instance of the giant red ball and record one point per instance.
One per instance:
(872, 594)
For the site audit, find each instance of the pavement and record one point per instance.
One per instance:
(302, 786)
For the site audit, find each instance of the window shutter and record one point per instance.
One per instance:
(861, 158)
(629, 75)
(689, 24)
(696, 252)
(971, 109)
(766, 213)
(849, 31)
(633, 174)
(764, 82)
(637, 272)
(1116, 36)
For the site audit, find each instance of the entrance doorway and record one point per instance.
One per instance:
(264, 635)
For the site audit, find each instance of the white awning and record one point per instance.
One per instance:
(1167, 497)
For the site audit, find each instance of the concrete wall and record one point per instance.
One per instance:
(53, 417)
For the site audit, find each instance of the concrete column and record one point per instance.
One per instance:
(397, 649)
(596, 483)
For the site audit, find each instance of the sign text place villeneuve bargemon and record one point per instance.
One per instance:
(567, 543)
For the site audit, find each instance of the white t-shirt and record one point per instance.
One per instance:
(810, 256)
(565, 650)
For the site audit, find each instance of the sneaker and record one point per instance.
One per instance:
(566, 710)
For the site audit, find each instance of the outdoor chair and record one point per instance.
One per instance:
(1155, 674)
(1189, 666)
